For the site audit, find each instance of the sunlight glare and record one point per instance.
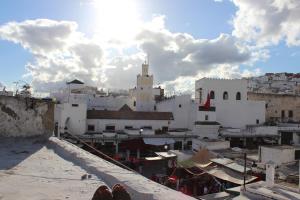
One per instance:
(117, 20)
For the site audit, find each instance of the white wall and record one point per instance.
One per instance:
(277, 155)
(212, 117)
(210, 145)
(231, 113)
(76, 123)
(232, 86)
(206, 131)
(183, 109)
(100, 124)
(240, 114)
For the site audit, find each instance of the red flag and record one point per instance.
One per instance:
(207, 103)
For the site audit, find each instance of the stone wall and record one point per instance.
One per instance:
(279, 104)
(25, 116)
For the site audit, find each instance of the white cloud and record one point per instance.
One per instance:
(61, 53)
(267, 22)
(180, 54)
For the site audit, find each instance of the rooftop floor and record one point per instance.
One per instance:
(31, 170)
(52, 169)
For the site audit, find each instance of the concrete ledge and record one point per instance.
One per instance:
(138, 186)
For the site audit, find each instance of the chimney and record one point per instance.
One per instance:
(270, 173)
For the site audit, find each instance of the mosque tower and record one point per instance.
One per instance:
(144, 90)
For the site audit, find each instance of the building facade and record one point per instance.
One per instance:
(279, 107)
(229, 98)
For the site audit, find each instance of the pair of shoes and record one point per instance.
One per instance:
(102, 193)
(118, 193)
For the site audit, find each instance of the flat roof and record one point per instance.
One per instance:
(281, 147)
(30, 170)
(52, 169)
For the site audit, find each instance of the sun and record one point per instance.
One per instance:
(116, 20)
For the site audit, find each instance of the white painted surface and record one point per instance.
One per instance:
(138, 186)
(231, 112)
(72, 117)
(183, 109)
(41, 173)
(279, 155)
(207, 131)
(270, 173)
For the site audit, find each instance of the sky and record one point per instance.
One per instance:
(104, 42)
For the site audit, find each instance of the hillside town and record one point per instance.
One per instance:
(234, 138)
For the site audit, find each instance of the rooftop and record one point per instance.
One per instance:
(52, 169)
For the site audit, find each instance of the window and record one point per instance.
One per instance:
(128, 127)
(200, 95)
(238, 96)
(109, 128)
(147, 127)
(141, 88)
(179, 105)
(225, 95)
(212, 94)
(91, 128)
(164, 129)
(290, 114)
(266, 105)
(206, 117)
(74, 105)
(282, 114)
(154, 107)
(134, 103)
(257, 121)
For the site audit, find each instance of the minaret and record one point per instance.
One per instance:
(145, 69)
(144, 90)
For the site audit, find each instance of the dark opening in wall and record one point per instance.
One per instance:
(91, 128)
(225, 95)
(109, 128)
(238, 96)
(291, 114)
(212, 94)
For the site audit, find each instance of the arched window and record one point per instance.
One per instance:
(225, 95)
(238, 96)
(212, 94)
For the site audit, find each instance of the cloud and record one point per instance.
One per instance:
(61, 53)
(267, 22)
(39, 36)
(180, 54)
(186, 84)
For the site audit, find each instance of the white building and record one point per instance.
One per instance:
(144, 95)
(183, 108)
(229, 99)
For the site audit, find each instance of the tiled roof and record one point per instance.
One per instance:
(129, 115)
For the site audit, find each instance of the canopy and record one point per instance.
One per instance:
(230, 175)
(158, 141)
